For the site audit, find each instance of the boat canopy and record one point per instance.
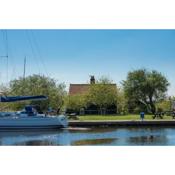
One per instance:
(21, 98)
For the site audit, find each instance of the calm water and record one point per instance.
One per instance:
(93, 136)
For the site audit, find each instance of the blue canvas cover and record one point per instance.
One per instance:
(21, 98)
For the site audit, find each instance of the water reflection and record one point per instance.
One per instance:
(29, 138)
(94, 142)
(36, 143)
(147, 140)
(94, 136)
(93, 130)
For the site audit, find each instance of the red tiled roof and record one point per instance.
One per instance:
(76, 89)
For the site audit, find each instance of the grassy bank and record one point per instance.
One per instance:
(118, 117)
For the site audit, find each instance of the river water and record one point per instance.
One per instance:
(154, 136)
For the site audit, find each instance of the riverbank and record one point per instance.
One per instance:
(124, 123)
(120, 120)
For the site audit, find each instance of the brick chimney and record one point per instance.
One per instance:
(92, 79)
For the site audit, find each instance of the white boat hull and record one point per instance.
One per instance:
(33, 122)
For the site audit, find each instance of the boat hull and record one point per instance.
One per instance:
(33, 122)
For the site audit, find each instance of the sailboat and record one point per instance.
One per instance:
(29, 118)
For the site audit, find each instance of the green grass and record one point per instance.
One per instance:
(118, 117)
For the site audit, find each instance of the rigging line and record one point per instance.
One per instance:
(3, 41)
(7, 51)
(5, 38)
(24, 73)
(2, 52)
(12, 62)
(39, 52)
(34, 52)
(6, 41)
(32, 48)
(7, 70)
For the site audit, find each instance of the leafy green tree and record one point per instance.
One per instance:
(4, 90)
(38, 85)
(164, 105)
(103, 94)
(75, 102)
(122, 107)
(145, 88)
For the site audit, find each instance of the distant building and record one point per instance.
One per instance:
(78, 89)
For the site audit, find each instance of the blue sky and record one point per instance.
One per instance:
(72, 55)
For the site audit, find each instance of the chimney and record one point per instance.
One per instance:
(92, 79)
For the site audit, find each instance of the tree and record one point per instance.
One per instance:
(122, 107)
(102, 94)
(38, 85)
(4, 90)
(145, 88)
(164, 105)
(75, 102)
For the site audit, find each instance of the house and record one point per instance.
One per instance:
(78, 89)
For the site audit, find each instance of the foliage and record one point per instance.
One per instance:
(38, 85)
(4, 90)
(145, 88)
(121, 103)
(164, 105)
(104, 80)
(75, 102)
(103, 94)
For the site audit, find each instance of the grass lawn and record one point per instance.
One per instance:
(118, 117)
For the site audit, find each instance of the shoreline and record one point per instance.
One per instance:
(135, 123)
